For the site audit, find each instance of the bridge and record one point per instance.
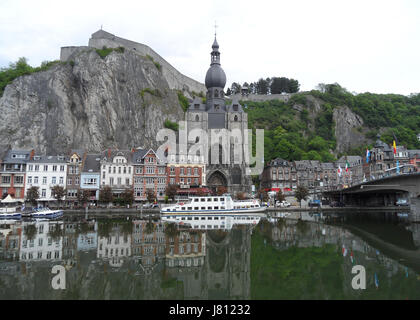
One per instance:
(379, 192)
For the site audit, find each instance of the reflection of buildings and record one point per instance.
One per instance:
(44, 245)
(10, 234)
(114, 248)
(148, 246)
(88, 241)
(186, 249)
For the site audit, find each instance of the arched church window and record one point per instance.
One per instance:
(197, 118)
(236, 176)
(216, 93)
(235, 118)
(197, 139)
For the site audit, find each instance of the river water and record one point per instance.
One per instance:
(278, 258)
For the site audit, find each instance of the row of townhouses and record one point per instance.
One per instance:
(316, 176)
(138, 170)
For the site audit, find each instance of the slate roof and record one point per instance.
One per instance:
(9, 157)
(92, 162)
(49, 159)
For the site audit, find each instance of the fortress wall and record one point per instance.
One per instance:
(66, 52)
(261, 97)
(173, 76)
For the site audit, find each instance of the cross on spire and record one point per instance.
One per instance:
(215, 28)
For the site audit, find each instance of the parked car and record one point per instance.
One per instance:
(401, 202)
(314, 203)
(283, 204)
(150, 205)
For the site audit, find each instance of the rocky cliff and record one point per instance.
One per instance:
(119, 101)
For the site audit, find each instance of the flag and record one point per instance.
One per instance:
(352, 257)
(376, 280)
(367, 155)
(339, 171)
(347, 166)
(398, 167)
(344, 251)
(395, 147)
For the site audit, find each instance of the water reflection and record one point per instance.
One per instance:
(280, 258)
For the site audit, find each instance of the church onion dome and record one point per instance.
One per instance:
(215, 76)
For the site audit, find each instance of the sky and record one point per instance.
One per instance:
(365, 46)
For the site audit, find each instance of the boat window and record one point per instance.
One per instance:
(209, 226)
(196, 208)
(215, 199)
(216, 208)
(208, 199)
(252, 206)
(183, 208)
(183, 218)
(248, 218)
(203, 218)
(189, 208)
(209, 218)
(189, 218)
(209, 208)
(196, 200)
(222, 199)
(202, 226)
(203, 208)
(203, 199)
(222, 207)
(195, 218)
(222, 218)
(216, 218)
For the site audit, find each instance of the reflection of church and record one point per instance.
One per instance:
(229, 150)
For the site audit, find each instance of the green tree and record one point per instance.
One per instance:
(128, 196)
(58, 192)
(105, 194)
(301, 193)
(82, 196)
(171, 190)
(150, 195)
(262, 86)
(32, 195)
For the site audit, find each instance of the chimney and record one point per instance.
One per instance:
(109, 152)
(31, 155)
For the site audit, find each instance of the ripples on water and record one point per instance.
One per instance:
(280, 258)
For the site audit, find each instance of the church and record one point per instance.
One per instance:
(221, 130)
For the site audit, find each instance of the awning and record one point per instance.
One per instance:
(9, 199)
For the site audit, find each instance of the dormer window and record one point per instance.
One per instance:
(196, 106)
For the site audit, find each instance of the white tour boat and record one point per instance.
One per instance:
(10, 210)
(46, 213)
(213, 221)
(214, 212)
(214, 205)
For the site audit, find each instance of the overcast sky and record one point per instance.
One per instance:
(364, 45)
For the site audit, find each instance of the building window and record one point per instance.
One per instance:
(43, 193)
(35, 180)
(5, 179)
(44, 180)
(76, 181)
(54, 180)
(62, 168)
(54, 168)
(36, 167)
(29, 180)
(45, 167)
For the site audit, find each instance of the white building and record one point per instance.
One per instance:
(117, 170)
(114, 248)
(42, 246)
(46, 172)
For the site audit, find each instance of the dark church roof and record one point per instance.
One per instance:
(215, 76)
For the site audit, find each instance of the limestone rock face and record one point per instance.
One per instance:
(120, 101)
(347, 126)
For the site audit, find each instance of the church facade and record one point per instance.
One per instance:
(218, 132)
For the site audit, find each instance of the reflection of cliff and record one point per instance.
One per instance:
(315, 262)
